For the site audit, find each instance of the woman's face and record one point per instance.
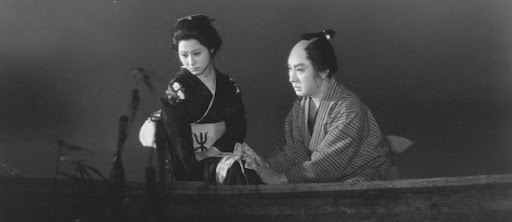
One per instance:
(194, 56)
(305, 81)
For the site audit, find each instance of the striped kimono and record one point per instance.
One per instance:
(346, 143)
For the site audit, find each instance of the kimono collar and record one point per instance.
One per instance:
(323, 110)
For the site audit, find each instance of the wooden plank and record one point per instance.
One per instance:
(22, 184)
(474, 198)
(199, 188)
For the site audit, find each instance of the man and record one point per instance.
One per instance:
(330, 135)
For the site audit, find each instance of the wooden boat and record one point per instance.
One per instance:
(469, 198)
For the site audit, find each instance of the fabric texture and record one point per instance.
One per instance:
(204, 135)
(187, 102)
(227, 105)
(346, 143)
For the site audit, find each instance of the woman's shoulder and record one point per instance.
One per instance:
(178, 86)
(183, 76)
(226, 77)
(229, 82)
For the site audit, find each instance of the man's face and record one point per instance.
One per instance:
(303, 77)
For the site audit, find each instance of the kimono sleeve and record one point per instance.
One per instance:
(345, 152)
(292, 150)
(282, 159)
(235, 120)
(175, 93)
(176, 120)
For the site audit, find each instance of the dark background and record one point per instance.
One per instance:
(436, 72)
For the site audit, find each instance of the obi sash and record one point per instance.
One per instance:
(205, 134)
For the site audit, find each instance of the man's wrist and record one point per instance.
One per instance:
(262, 161)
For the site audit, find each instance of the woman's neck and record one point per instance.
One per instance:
(208, 76)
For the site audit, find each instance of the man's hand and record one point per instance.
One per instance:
(252, 158)
(269, 176)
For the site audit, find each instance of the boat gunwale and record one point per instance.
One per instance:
(190, 188)
(23, 184)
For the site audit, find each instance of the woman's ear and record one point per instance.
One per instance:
(324, 74)
(212, 51)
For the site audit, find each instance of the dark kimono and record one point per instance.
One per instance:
(189, 101)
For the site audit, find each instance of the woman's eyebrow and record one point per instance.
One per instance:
(192, 50)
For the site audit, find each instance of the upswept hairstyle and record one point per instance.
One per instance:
(198, 27)
(320, 51)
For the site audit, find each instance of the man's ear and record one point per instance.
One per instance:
(324, 74)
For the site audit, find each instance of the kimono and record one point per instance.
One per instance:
(345, 144)
(198, 120)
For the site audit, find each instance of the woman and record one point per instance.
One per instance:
(330, 135)
(204, 113)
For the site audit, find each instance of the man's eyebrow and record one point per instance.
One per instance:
(300, 64)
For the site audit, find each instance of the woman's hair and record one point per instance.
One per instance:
(198, 27)
(320, 51)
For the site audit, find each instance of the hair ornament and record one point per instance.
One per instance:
(327, 35)
(196, 16)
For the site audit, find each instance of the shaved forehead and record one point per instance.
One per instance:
(300, 46)
(298, 51)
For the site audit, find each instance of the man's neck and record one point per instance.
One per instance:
(317, 98)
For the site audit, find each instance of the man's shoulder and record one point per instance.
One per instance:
(346, 104)
(345, 98)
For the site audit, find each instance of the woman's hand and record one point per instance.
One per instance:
(212, 152)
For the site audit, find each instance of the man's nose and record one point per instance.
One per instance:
(293, 76)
